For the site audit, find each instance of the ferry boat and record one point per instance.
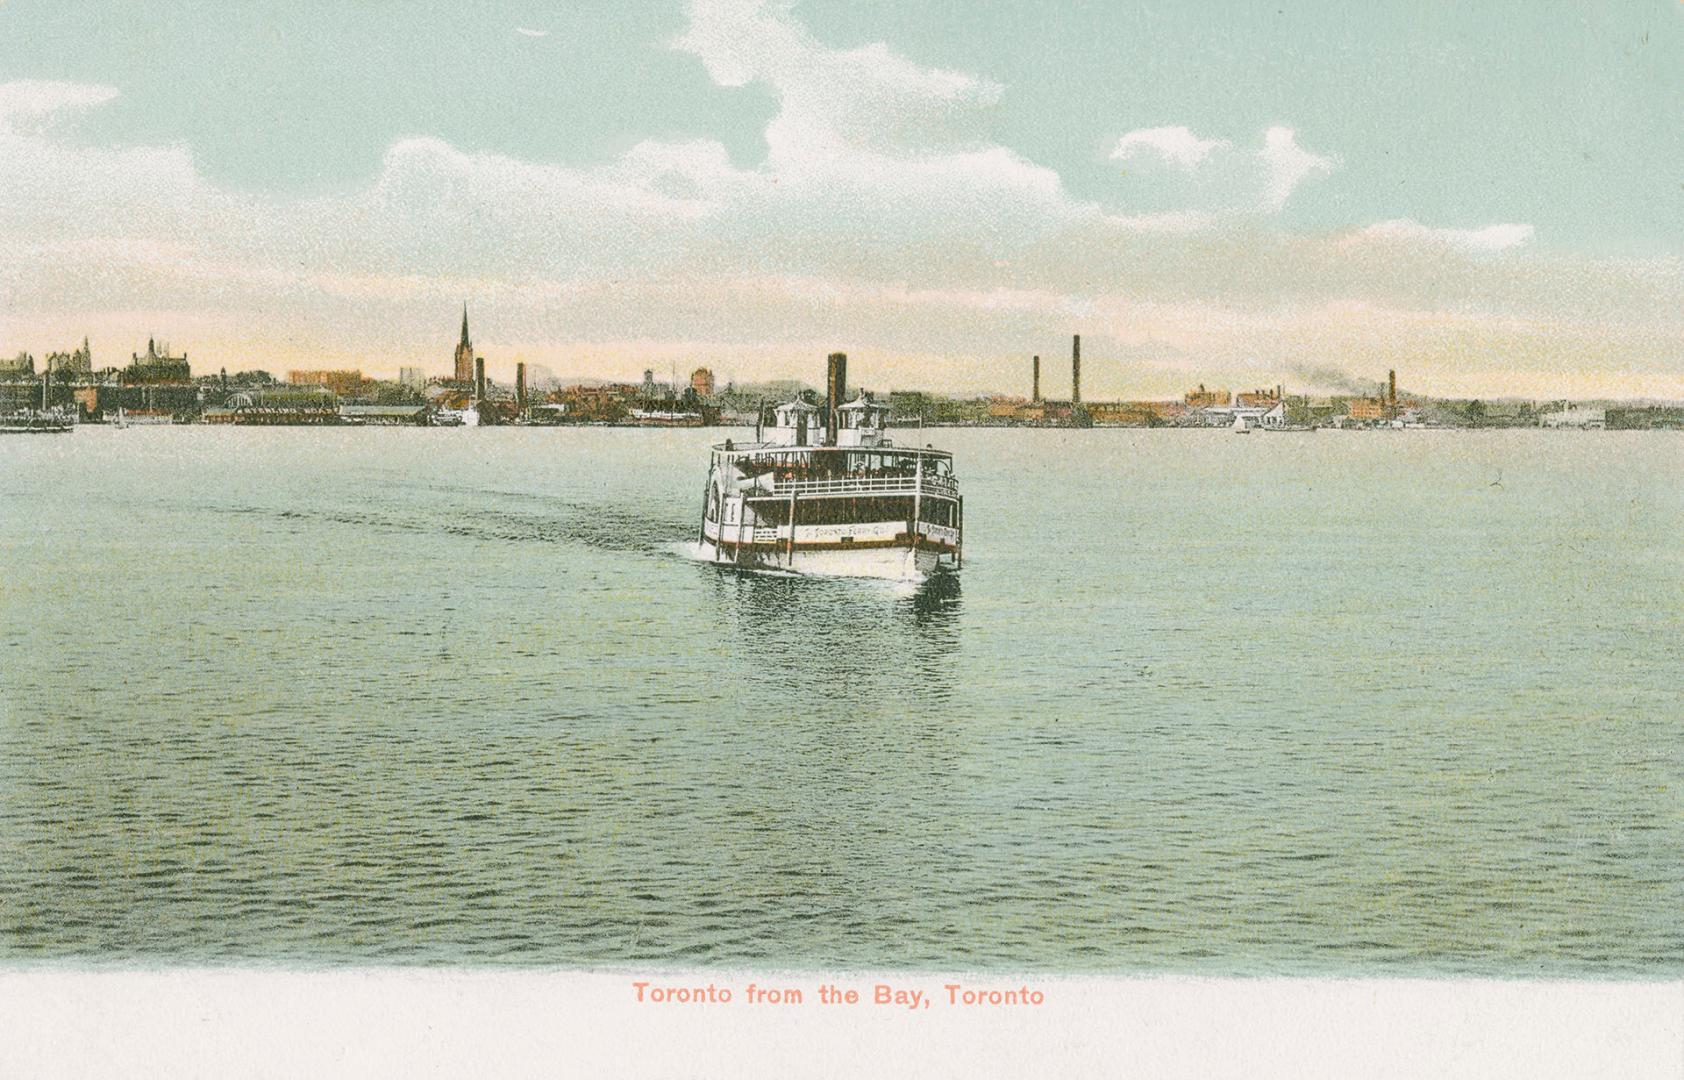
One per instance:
(42, 421)
(825, 491)
(36, 422)
(446, 417)
(126, 418)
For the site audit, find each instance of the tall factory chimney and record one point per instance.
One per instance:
(520, 386)
(1035, 381)
(835, 391)
(1391, 388)
(479, 378)
(1076, 370)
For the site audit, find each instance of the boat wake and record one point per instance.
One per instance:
(696, 552)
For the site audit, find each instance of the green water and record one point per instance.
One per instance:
(1348, 703)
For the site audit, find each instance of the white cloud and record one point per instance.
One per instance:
(1214, 177)
(1491, 238)
(1167, 222)
(1287, 165)
(51, 188)
(1176, 145)
(41, 99)
(865, 133)
(833, 102)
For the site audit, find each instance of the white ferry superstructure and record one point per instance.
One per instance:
(826, 492)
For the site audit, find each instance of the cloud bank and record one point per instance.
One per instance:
(882, 220)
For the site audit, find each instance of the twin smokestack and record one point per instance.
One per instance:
(1075, 374)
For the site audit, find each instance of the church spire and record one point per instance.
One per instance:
(465, 325)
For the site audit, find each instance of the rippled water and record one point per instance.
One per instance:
(1333, 703)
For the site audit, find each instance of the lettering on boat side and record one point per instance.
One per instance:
(879, 994)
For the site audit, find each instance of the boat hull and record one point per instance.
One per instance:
(897, 562)
(35, 425)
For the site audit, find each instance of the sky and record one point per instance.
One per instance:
(1488, 197)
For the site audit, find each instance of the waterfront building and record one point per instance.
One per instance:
(1646, 418)
(1366, 409)
(1204, 399)
(1570, 415)
(384, 415)
(1247, 416)
(599, 403)
(1006, 408)
(283, 405)
(343, 383)
(1260, 399)
(701, 381)
(20, 394)
(1135, 413)
(148, 399)
(1509, 414)
(78, 361)
(20, 366)
(908, 406)
(412, 378)
(156, 367)
(1119, 414)
(1167, 412)
(465, 352)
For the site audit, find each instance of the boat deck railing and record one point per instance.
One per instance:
(852, 485)
(736, 449)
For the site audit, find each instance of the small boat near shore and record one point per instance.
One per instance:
(445, 417)
(126, 418)
(825, 492)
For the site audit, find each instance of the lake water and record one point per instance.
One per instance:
(1338, 703)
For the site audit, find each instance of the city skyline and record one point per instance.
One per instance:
(940, 201)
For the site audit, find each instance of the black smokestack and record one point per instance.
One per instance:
(1391, 388)
(479, 377)
(1076, 370)
(835, 391)
(1035, 382)
(520, 386)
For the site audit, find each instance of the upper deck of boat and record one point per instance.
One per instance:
(782, 470)
(731, 449)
